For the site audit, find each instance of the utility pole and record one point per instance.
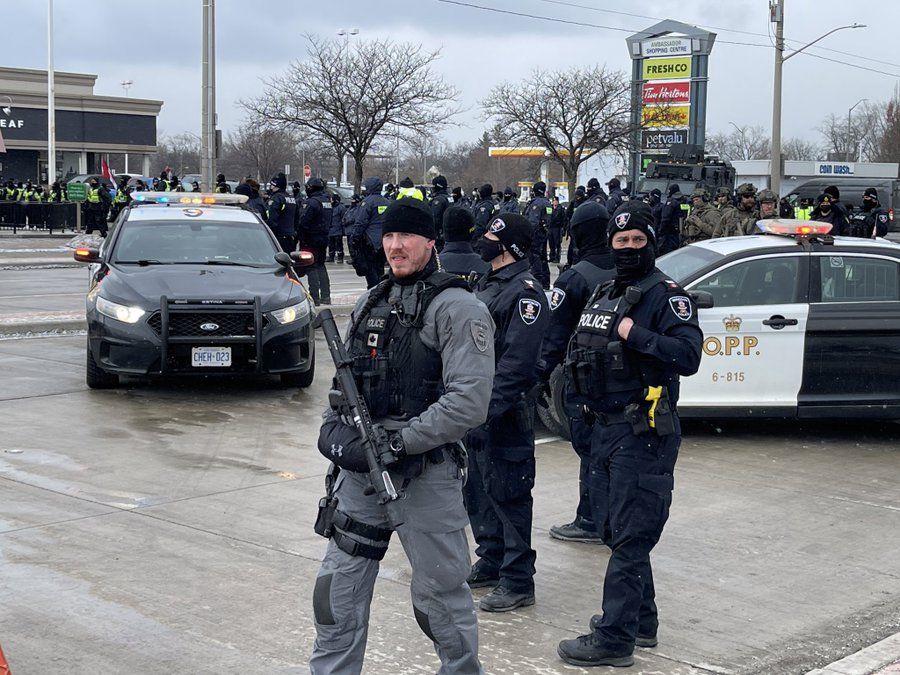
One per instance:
(51, 100)
(776, 8)
(208, 101)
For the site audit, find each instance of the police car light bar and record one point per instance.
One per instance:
(796, 228)
(188, 198)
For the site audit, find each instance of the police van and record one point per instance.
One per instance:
(802, 325)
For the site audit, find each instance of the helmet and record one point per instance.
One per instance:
(279, 180)
(723, 192)
(314, 185)
(700, 192)
(220, 178)
(746, 190)
(767, 196)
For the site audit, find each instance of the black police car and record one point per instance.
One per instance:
(192, 284)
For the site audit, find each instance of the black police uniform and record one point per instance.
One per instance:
(568, 298)
(458, 257)
(554, 235)
(439, 204)
(635, 441)
(498, 494)
(538, 212)
(864, 223)
(282, 216)
(313, 227)
(670, 219)
(484, 213)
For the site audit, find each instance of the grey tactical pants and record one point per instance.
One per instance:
(432, 534)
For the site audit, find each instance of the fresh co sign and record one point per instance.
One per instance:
(667, 69)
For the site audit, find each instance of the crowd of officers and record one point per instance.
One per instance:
(452, 349)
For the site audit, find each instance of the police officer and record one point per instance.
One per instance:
(803, 211)
(768, 206)
(423, 353)
(554, 232)
(281, 210)
(365, 237)
(458, 256)
(636, 336)
(671, 217)
(163, 184)
(498, 493)
(873, 220)
(654, 200)
(741, 219)
(723, 200)
(703, 220)
(568, 298)
(96, 207)
(222, 187)
(459, 199)
(350, 217)
(616, 195)
(483, 210)
(510, 203)
(538, 212)
(336, 231)
(313, 229)
(439, 202)
(594, 192)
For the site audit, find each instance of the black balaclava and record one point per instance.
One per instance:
(588, 227)
(633, 264)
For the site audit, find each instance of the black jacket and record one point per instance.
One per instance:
(458, 257)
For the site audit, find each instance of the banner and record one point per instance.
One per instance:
(667, 69)
(672, 93)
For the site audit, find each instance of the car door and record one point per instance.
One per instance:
(753, 337)
(853, 335)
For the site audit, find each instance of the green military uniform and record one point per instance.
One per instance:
(703, 220)
(740, 220)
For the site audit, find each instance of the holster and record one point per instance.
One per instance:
(324, 525)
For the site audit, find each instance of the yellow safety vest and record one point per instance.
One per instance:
(802, 214)
(93, 195)
(413, 192)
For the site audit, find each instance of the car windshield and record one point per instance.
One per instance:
(207, 242)
(684, 262)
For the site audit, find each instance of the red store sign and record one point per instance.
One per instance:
(673, 93)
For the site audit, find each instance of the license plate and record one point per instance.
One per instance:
(211, 357)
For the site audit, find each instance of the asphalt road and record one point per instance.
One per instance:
(167, 528)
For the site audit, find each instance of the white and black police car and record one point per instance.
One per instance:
(802, 325)
(191, 283)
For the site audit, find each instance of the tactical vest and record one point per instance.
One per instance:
(397, 374)
(597, 361)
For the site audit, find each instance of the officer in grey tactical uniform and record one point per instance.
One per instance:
(423, 358)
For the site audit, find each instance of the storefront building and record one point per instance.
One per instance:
(88, 126)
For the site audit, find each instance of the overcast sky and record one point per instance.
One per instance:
(158, 47)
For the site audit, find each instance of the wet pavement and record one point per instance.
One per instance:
(167, 527)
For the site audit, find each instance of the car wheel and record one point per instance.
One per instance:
(554, 417)
(302, 380)
(96, 377)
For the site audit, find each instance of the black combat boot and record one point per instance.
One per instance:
(586, 651)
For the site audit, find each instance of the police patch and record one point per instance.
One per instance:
(882, 218)
(479, 330)
(681, 307)
(529, 310)
(376, 323)
(622, 220)
(497, 225)
(556, 298)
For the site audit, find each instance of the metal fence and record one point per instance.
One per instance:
(37, 215)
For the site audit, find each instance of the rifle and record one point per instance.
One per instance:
(346, 399)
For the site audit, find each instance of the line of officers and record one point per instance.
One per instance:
(683, 221)
(452, 352)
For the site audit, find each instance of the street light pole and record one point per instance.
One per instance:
(51, 99)
(776, 8)
(346, 34)
(849, 127)
(208, 100)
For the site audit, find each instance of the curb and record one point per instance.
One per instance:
(865, 661)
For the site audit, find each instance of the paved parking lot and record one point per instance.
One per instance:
(167, 527)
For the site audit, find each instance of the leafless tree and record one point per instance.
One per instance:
(348, 95)
(741, 143)
(258, 150)
(572, 114)
(180, 152)
(888, 147)
(800, 150)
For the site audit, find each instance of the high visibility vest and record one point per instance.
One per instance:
(121, 197)
(802, 214)
(413, 192)
(163, 186)
(93, 195)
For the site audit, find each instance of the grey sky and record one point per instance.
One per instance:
(158, 47)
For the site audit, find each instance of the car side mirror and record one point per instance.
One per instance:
(87, 255)
(302, 258)
(703, 299)
(284, 259)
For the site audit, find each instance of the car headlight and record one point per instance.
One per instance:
(291, 313)
(119, 312)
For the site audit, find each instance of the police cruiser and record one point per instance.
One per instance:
(796, 324)
(186, 283)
